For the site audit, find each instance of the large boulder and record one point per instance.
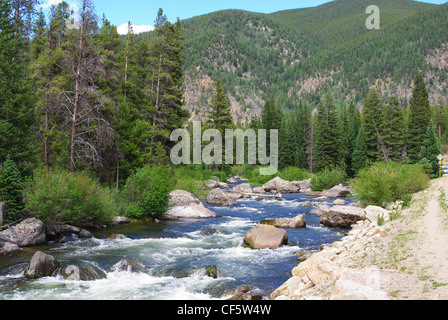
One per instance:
(191, 211)
(342, 216)
(41, 265)
(266, 237)
(243, 188)
(338, 191)
(279, 185)
(181, 198)
(222, 198)
(374, 213)
(30, 232)
(293, 223)
(303, 185)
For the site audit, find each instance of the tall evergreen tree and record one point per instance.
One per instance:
(271, 119)
(371, 124)
(360, 158)
(219, 115)
(429, 152)
(354, 117)
(302, 130)
(419, 118)
(344, 139)
(165, 86)
(393, 130)
(17, 112)
(326, 145)
(11, 190)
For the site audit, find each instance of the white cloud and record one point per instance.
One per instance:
(49, 3)
(123, 29)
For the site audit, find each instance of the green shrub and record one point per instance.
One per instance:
(69, 198)
(327, 179)
(145, 194)
(294, 174)
(385, 183)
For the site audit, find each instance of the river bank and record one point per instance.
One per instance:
(172, 255)
(404, 259)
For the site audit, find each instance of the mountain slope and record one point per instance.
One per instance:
(303, 53)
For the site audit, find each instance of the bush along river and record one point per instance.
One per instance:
(194, 259)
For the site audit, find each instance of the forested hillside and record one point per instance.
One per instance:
(303, 53)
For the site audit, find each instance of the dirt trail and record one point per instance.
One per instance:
(433, 237)
(427, 252)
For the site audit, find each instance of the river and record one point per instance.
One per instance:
(173, 253)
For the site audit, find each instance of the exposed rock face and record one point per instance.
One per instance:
(280, 185)
(266, 237)
(222, 198)
(342, 216)
(30, 232)
(41, 265)
(293, 223)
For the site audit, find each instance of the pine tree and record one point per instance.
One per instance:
(326, 145)
(17, 112)
(393, 130)
(429, 152)
(271, 119)
(165, 85)
(287, 143)
(419, 118)
(354, 117)
(360, 159)
(344, 139)
(220, 115)
(11, 190)
(371, 124)
(302, 130)
(82, 102)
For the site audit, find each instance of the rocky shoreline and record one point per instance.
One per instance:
(331, 274)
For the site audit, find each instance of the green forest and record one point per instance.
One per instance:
(86, 114)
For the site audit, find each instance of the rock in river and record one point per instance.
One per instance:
(191, 211)
(280, 185)
(294, 223)
(342, 216)
(30, 232)
(41, 265)
(266, 237)
(222, 198)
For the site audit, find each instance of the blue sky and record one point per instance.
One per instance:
(143, 12)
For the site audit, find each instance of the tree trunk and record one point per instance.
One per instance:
(154, 120)
(77, 84)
